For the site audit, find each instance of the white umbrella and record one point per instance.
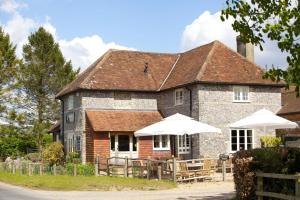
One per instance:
(263, 119)
(177, 124)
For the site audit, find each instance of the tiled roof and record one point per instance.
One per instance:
(290, 102)
(55, 127)
(102, 120)
(210, 63)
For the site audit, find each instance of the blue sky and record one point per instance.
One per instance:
(86, 29)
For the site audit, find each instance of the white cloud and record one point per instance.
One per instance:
(208, 27)
(83, 51)
(11, 6)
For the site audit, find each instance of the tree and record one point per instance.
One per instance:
(8, 68)
(278, 20)
(43, 74)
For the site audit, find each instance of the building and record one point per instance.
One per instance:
(124, 91)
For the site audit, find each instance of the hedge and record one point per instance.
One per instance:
(268, 160)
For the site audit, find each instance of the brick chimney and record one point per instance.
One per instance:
(246, 50)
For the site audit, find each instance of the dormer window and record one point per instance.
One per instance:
(70, 102)
(241, 94)
(179, 95)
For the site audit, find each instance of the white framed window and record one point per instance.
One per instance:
(179, 96)
(70, 117)
(70, 144)
(70, 102)
(241, 94)
(161, 142)
(241, 139)
(183, 144)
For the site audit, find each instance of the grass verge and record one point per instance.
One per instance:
(84, 183)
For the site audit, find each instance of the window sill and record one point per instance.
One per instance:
(161, 149)
(240, 101)
(181, 153)
(178, 104)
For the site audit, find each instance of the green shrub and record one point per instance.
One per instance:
(270, 141)
(73, 157)
(268, 160)
(82, 169)
(34, 157)
(54, 154)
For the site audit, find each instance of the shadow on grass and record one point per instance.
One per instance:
(222, 196)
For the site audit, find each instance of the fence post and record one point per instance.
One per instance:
(107, 166)
(41, 169)
(260, 186)
(148, 168)
(159, 172)
(174, 169)
(297, 188)
(54, 169)
(21, 168)
(97, 166)
(126, 167)
(29, 169)
(13, 167)
(75, 170)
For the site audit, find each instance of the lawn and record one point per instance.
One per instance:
(84, 183)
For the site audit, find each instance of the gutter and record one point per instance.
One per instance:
(62, 136)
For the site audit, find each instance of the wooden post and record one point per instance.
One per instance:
(107, 166)
(126, 167)
(75, 170)
(41, 168)
(260, 186)
(54, 169)
(13, 167)
(148, 168)
(29, 169)
(97, 166)
(174, 169)
(159, 172)
(297, 188)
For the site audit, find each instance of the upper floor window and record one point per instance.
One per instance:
(161, 142)
(179, 94)
(70, 117)
(70, 102)
(241, 94)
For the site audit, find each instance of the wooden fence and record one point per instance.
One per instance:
(260, 186)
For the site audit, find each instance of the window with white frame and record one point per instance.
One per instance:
(183, 144)
(70, 144)
(241, 139)
(241, 94)
(161, 142)
(179, 95)
(70, 102)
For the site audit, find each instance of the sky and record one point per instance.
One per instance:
(87, 29)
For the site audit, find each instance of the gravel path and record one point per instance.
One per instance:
(194, 191)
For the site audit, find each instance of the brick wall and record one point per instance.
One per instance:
(101, 146)
(89, 142)
(146, 149)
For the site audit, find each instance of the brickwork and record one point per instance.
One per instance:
(146, 149)
(101, 146)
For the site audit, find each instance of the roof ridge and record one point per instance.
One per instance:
(99, 60)
(147, 52)
(208, 57)
(173, 67)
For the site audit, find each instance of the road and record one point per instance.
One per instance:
(195, 191)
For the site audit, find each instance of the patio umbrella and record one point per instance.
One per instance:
(177, 124)
(263, 119)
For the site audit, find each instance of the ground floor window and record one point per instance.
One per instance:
(183, 144)
(161, 142)
(241, 139)
(78, 143)
(70, 144)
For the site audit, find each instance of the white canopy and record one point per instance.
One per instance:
(263, 119)
(177, 124)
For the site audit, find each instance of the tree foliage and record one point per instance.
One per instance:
(43, 74)
(8, 68)
(53, 154)
(278, 20)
